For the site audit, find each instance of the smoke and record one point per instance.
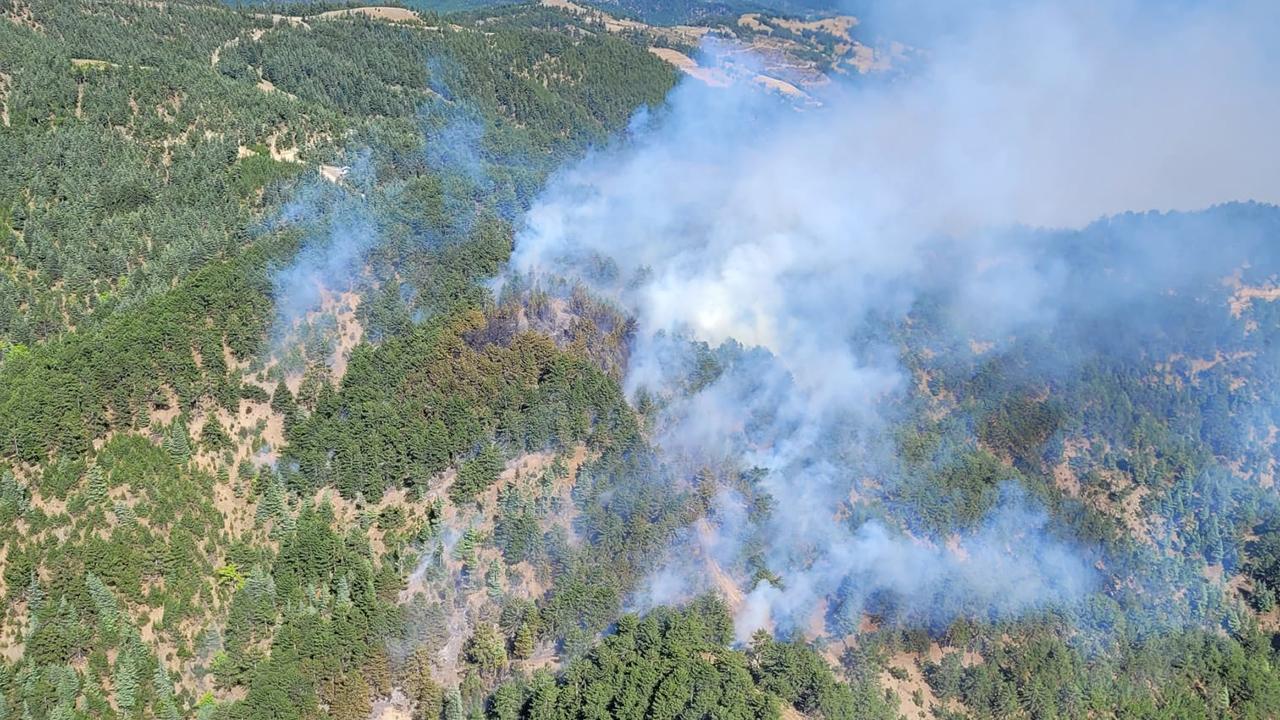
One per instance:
(353, 223)
(1005, 568)
(778, 246)
(339, 227)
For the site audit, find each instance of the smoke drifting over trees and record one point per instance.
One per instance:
(786, 245)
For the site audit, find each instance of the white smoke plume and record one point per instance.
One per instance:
(731, 217)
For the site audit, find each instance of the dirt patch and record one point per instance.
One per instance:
(611, 23)
(1064, 478)
(339, 328)
(6, 81)
(714, 77)
(562, 489)
(840, 26)
(166, 409)
(334, 173)
(350, 331)
(278, 153)
(866, 59)
(783, 51)
(941, 401)
(915, 697)
(679, 34)
(524, 577)
(12, 646)
(674, 57)
(790, 713)
(916, 700)
(91, 63)
(980, 347)
(467, 600)
(392, 14)
(781, 86)
(1170, 370)
(19, 13)
(1128, 508)
(1240, 587)
(217, 52)
(277, 19)
(1243, 295)
(751, 21)
(728, 588)
(396, 707)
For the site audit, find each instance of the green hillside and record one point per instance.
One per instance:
(282, 437)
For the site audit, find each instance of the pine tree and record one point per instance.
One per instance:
(377, 672)
(1237, 621)
(14, 502)
(1264, 599)
(486, 649)
(104, 601)
(342, 592)
(165, 704)
(349, 697)
(465, 548)
(284, 526)
(542, 695)
(213, 436)
(415, 678)
(506, 702)
(97, 489)
(125, 678)
(35, 595)
(177, 443)
(66, 689)
(124, 513)
(523, 644)
(430, 701)
(493, 578)
(271, 504)
(452, 706)
(283, 402)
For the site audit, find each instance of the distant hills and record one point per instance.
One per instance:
(656, 12)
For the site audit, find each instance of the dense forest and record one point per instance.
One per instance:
(274, 442)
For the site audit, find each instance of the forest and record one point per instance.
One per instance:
(282, 436)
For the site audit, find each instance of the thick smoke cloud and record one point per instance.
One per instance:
(787, 238)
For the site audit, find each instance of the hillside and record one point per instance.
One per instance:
(568, 360)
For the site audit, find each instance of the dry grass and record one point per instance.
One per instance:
(392, 14)
(91, 63)
(714, 77)
(472, 603)
(1242, 295)
(840, 26)
(728, 588)
(5, 82)
(333, 173)
(781, 86)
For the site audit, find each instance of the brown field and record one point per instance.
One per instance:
(394, 14)
(714, 77)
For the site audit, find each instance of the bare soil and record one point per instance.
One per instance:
(1244, 295)
(393, 14)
